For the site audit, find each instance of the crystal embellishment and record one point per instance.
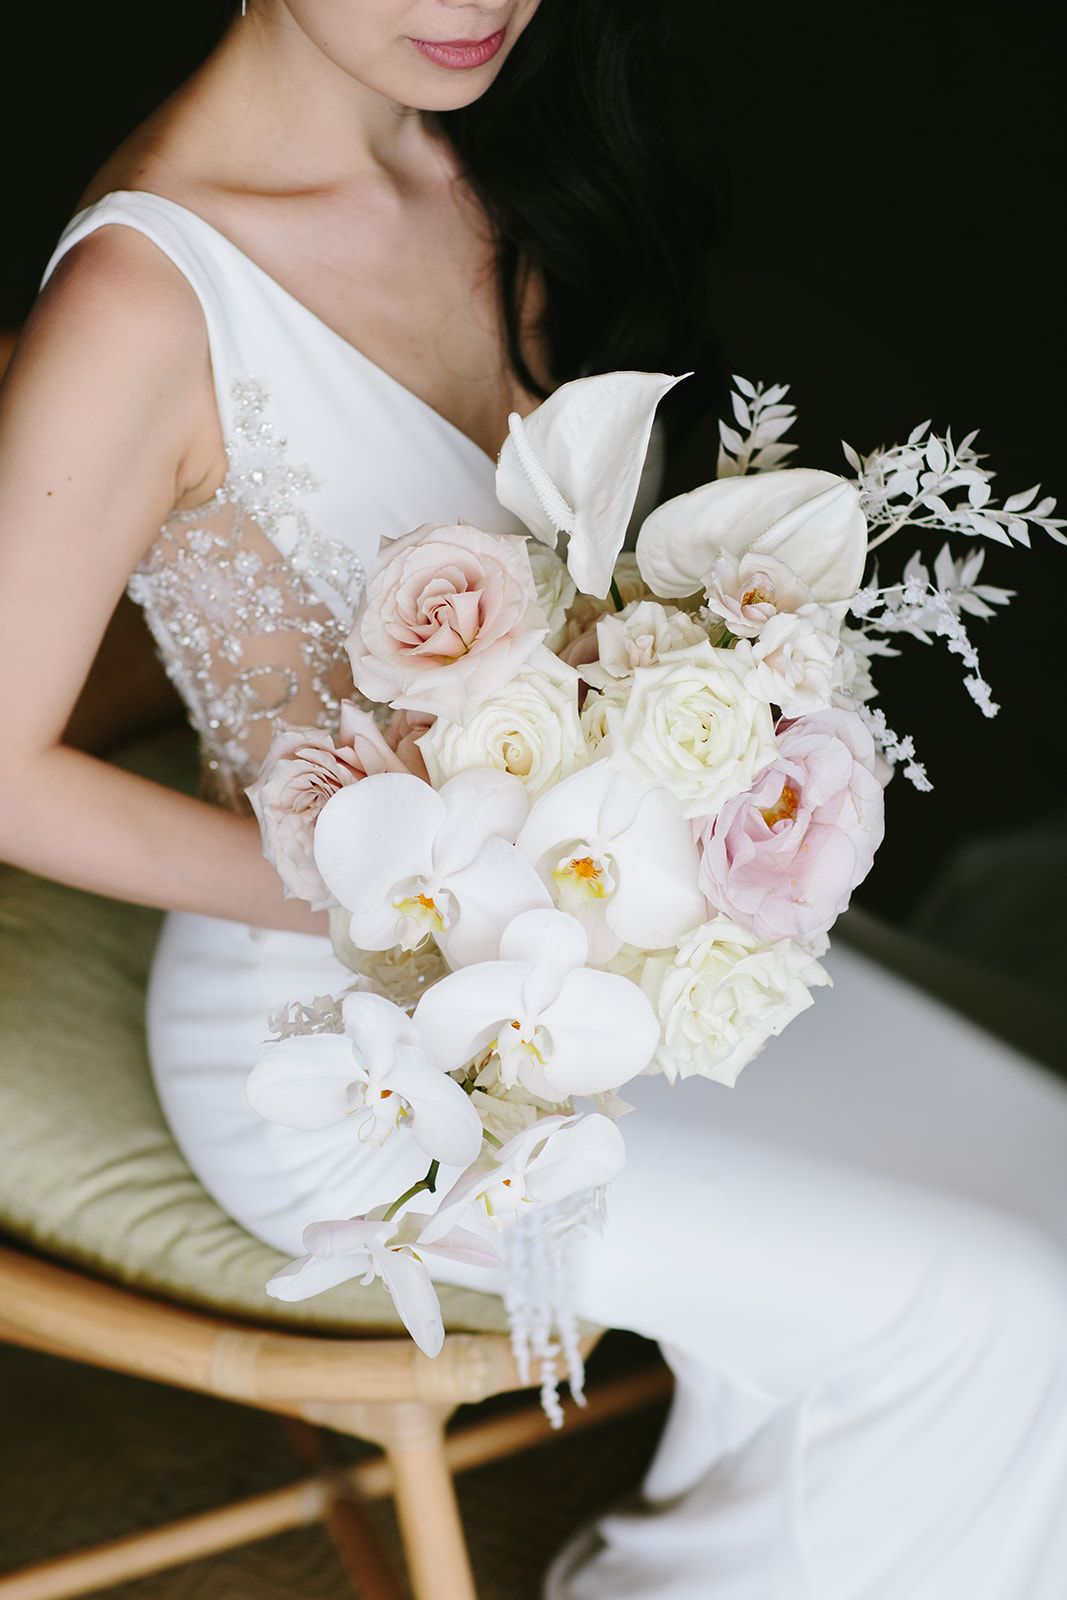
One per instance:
(246, 633)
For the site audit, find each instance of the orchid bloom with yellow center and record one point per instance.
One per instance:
(557, 1027)
(409, 862)
(376, 1078)
(619, 858)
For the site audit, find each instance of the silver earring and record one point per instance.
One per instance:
(244, 8)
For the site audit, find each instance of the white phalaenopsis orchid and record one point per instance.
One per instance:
(553, 1160)
(557, 1027)
(574, 466)
(811, 521)
(376, 1074)
(407, 861)
(373, 1247)
(619, 858)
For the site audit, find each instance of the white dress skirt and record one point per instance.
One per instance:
(855, 1263)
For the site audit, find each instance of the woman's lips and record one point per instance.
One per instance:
(461, 52)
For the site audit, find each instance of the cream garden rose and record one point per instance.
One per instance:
(692, 725)
(530, 729)
(721, 994)
(555, 590)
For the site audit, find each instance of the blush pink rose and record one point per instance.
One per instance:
(302, 769)
(403, 733)
(784, 858)
(449, 614)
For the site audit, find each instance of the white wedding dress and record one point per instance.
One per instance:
(856, 1261)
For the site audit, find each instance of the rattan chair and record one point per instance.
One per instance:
(116, 1257)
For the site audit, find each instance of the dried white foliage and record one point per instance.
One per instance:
(760, 413)
(930, 482)
(294, 1020)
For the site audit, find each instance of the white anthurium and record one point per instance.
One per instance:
(574, 466)
(618, 857)
(810, 521)
(407, 861)
(372, 1247)
(377, 1075)
(553, 1160)
(557, 1027)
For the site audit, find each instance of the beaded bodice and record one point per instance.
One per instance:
(250, 597)
(242, 633)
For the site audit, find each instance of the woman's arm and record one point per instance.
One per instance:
(103, 430)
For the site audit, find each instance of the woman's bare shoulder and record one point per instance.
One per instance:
(117, 291)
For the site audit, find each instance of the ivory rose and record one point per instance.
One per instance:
(448, 615)
(784, 858)
(555, 589)
(795, 662)
(721, 994)
(304, 768)
(691, 725)
(530, 729)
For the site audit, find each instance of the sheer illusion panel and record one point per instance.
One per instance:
(250, 636)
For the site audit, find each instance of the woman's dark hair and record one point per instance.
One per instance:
(595, 155)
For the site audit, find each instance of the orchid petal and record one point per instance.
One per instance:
(376, 1028)
(458, 1017)
(310, 1275)
(603, 1031)
(586, 1154)
(570, 810)
(371, 835)
(459, 1245)
(477, 805)
(303, 1082)
(493, 889)
(407, 1280)
(553, 944)
(809, 520)
(657, 898)
(347, 1237)
(443, 1121)
(575, 463)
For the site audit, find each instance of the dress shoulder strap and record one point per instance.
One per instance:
(236, 310)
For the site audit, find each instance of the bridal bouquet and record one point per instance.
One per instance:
(597, 812)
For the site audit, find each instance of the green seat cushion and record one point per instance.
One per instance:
(89, 1173)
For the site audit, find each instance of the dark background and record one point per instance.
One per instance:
(897, 186)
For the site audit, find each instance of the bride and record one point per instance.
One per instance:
(292, 315)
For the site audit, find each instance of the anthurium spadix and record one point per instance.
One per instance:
(370, 1247)
(376, 1076)
(574, 465)
(811, 521)
(556, 1026)
(618, 857)
(552, 1160)
(407, 861)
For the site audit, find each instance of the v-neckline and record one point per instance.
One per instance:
(345, 344)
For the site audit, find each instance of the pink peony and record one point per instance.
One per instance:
(303, 768)
(449, 614)
(784, 858)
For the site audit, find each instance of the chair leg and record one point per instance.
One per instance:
(428, 1513)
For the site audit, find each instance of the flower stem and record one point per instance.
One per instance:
(616, 595)
(428, 1183)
